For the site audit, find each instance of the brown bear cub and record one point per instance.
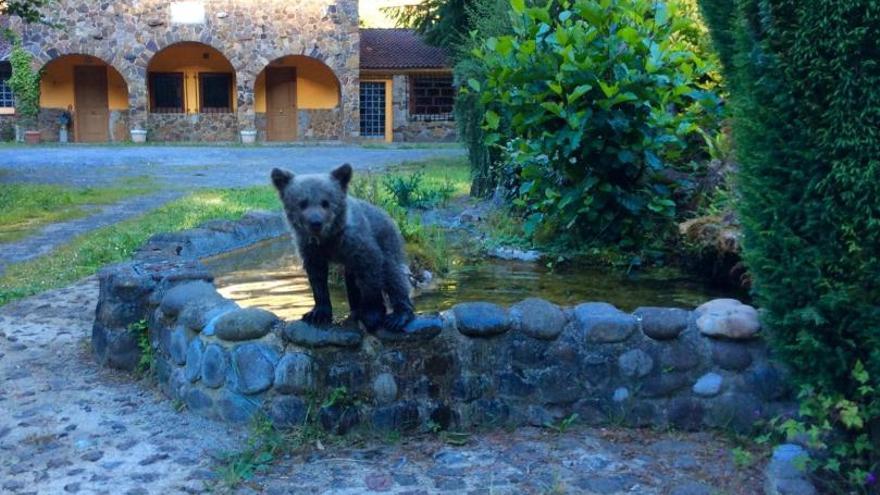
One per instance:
(331, 226)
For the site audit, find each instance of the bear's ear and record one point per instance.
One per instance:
(281, 178)
(342, 175)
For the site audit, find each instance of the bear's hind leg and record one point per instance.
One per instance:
(354, 297)
(397, 287)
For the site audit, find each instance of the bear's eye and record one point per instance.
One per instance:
(303, 204)
(325, 204)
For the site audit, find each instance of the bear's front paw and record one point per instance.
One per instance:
(397, 321)
(319, 316)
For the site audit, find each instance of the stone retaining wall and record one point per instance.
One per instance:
(476, 364)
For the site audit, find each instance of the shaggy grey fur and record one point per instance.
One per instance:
(331, 226)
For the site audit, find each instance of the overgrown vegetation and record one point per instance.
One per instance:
(27, 207)
(596, 109)
(416, 185)
(804, 82)
(24, 82)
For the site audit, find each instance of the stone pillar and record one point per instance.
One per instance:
(138, 106)
(399, 105)
(245, 101)
(349, 104)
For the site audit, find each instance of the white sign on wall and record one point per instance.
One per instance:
(188, 12)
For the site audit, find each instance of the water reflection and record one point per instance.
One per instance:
(270, 275)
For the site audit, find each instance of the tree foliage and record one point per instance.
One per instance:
(805, 83)
(594, 104)
(443, 23)
(488, 18)
(27, 10)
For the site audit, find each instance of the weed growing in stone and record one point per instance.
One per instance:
(742, 458)
(264, 443)
(337, 396)
(146, 364)
(564, 424)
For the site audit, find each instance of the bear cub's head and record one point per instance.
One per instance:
(315, 205)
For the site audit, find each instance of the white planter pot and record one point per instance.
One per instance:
(138, 136)
(248, 137)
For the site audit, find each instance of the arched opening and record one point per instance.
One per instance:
(297, 97)
(190, 77)
(89, 93)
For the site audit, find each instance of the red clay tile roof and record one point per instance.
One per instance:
(399, 49)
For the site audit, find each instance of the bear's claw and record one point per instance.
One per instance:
(397, 321)
(319, 316)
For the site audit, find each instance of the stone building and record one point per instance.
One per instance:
(218, 70)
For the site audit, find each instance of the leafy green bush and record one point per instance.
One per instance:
(411, 190)
(594, 103)
(805, 86)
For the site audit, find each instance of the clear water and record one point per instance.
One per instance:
(270, 275)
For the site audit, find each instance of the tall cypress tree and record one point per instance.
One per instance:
(805, 88)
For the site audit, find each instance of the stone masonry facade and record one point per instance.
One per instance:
(127, 34)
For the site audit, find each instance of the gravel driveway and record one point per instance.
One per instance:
(191, 166)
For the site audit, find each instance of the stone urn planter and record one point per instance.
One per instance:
(248, 136)
(32, 137)
(138, 136)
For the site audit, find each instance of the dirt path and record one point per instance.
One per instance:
(71, 427)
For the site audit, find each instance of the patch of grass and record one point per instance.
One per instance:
(379, 145)
(564, 424)
(742, 458)
(87, 253)
(27, 207)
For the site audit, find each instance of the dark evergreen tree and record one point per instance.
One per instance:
(805, 87)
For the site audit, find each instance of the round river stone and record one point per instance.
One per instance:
(481, 319)
(295, 374)
(662, 323)
(708, 385)
(728, 318)
(214, 362)
(245, 324)
(538, 318)
(603, 323)
(635, 363)
(253, 367)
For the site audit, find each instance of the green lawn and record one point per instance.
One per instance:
(87, 253)
(25, 208)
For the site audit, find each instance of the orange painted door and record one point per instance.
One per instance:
(91, 107)
(281, 104)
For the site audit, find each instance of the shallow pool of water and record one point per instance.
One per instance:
(270, 275)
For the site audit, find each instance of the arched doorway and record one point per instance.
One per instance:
(190, 78)
(297, 97)
(92, 92)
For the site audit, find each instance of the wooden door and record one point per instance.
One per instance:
(91, 107)
(281, 104)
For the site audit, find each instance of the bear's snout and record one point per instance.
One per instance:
(316, 225)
